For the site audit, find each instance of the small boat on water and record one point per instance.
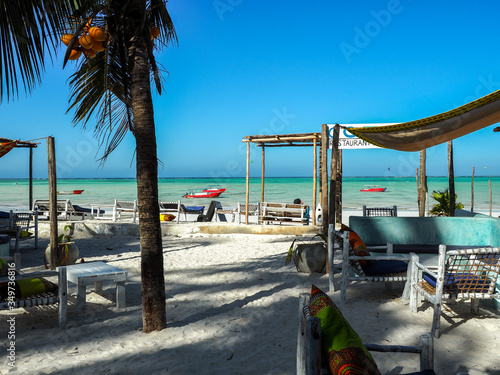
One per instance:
(214, 188)
(373, 188)
(70, 192)
(202, 194)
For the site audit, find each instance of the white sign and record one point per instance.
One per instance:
(348, 140)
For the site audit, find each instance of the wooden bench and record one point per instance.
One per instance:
(65, 209)
(284, 213)
(311, 357)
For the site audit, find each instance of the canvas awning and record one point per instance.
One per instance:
(430, 131)
(6, 146)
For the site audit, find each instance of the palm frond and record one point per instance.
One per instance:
(29, 31)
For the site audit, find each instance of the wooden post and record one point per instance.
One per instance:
(421, 188)
(55, 258)
(338, 195)
(333, 176)
(30, 203)
(301, 337)
(312, 210)
(491, 200)
(451, 178)
(313, 346)
(472, 190)
(263, 173)
(248, 183)
(330, 258)
(320, 195)
(324, 179)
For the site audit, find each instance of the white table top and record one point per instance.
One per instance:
(93, 269)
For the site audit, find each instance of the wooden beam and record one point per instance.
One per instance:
(422, 184)
(55, 257)
(30, 193)
(324, 179)
(338, 193)
(312, 210)
(263, 173)
(268, 144)
(247, 184)
(332, 217)
(451, 178)
(472, 190)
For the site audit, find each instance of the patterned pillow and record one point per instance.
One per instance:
(357, 245)
(346, 353)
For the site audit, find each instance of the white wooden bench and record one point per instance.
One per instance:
(288, 213)
(119, 207)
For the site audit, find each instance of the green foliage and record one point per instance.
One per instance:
(442, 207)
(66, 236)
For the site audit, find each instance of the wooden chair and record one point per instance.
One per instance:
(380, 211)
(310, 359)
(220, 213)
(65, 209)
(49, 298)
(121, 207)
(253, 210)
(22, 226)
(461, 274)
(353, 271)
(171, 207)
(195, 210)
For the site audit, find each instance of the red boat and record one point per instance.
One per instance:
(203, 194)
(214, 189)
(373, 188)
(70, 192)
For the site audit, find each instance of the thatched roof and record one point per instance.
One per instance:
(283, 140)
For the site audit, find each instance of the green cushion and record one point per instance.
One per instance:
(28, 287)
(346, 353)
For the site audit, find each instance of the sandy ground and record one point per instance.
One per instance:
(232, 308)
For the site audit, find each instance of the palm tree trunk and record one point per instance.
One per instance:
(153, 282)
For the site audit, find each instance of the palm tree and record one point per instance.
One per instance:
(115, 86)
(442, 207)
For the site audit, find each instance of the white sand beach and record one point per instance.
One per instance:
(232, 308)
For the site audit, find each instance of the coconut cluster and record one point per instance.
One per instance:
(89, 43)
(93, 41)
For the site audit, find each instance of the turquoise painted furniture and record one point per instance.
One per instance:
(479, 230)
(423, 235)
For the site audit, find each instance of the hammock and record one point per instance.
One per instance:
(430, 131)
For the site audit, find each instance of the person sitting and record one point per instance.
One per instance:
(306, 214)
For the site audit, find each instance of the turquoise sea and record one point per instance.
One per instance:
(401, 191)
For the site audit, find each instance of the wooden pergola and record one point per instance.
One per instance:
(285, 140)
(31, 146)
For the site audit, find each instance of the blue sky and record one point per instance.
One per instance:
(275, 67)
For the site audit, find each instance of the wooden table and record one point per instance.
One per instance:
(83, 274)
